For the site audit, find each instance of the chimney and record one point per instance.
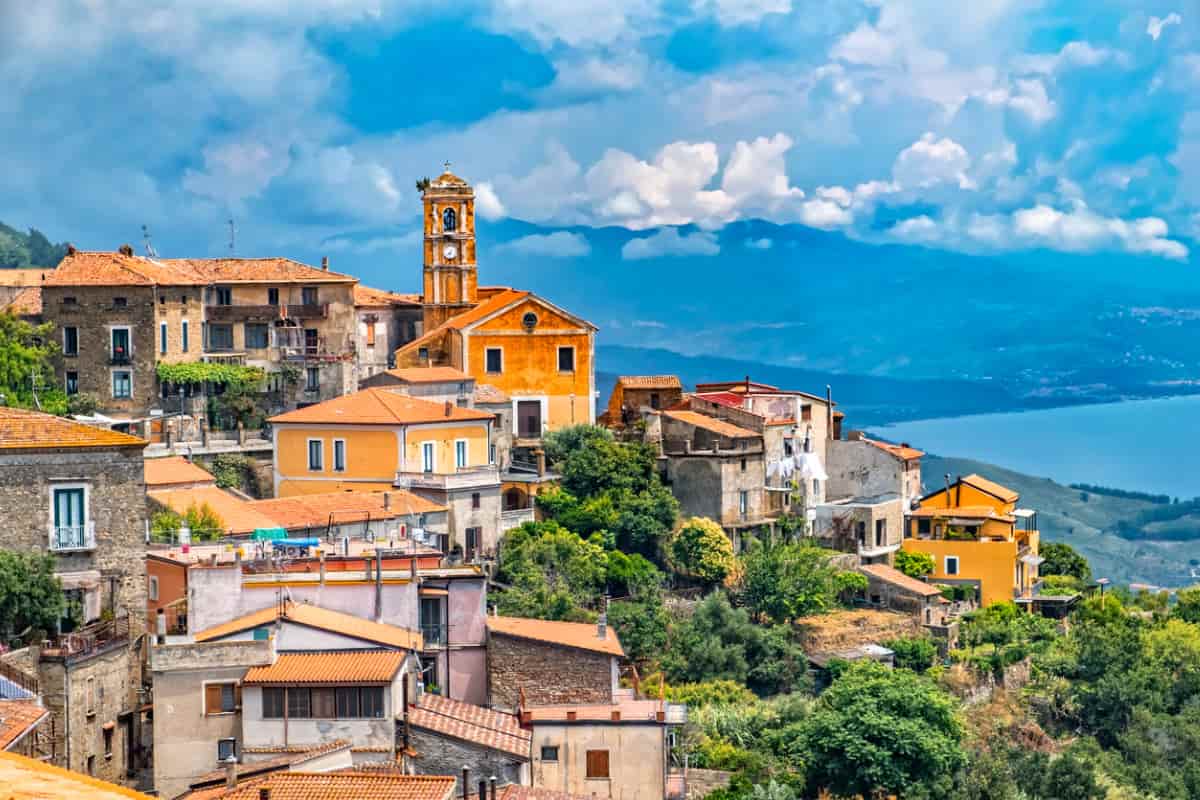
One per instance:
(493, 783)
(230, 772)
(602, 623)
(264, 793)
(449, 408)
(387, 501)
(325, 263)
(466, 781)
(125, 250)
(71, 249)
(482, 790)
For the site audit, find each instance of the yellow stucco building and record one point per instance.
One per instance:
(977, 535)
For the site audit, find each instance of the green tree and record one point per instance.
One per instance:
(1187, 605)
(561, 443)
(553, 573)
(914, 564)
(881, 731)
(917, 653)
(13, 252)
(1062, 559)
(27, 351)
(641, 625)
(31, 597)
(781, 582)
(701, 549)
(204, 522)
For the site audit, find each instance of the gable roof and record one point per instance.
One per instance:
(17, 718)
(578, 635)
(27, 302)
(328, 667)
(23, 277)
(36, 779)
(900, 451)
(316, 510)
(359, 785)
(321, 618)
(174, 470)
(897, 578)
(723, 398)
(711, 424)
(981, 483)
(251, 769)
(472, 724)
(961, 512)
(650, 382)
(255, 270)
(380, 406)
(429, 374)
(367, 297)
(91, 268)
(22, 429)
(237, 515)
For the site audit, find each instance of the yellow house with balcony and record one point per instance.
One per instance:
(978, 536)
(378, 439)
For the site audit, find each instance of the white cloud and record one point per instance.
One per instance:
(486, 202)
(670, 190)
(756, 174)
(560, 244)
(577, 23)
(236, 171)
(1082, 230)
(1156, 25)
(865, 45)
(915, 229)
(930, 161)
(760, 244)
(668, 242)
(376, 244)
(648, 323)
(1031, 100)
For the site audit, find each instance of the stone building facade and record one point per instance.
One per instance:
(568, 669)
(445, 737)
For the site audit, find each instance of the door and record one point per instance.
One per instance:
(68, 518)
(311, 341)
(529, 419)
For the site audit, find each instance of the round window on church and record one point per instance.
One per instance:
(529, 321)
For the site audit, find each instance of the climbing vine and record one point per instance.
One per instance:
(207, 372)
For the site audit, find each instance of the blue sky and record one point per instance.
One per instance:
(990, 127)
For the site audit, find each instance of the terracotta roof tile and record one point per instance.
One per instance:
(22, 429)
(380, 406)
(717, 426)
(894, 576)
(18, 717)
(503, 298)
(429, 374)
(323, 619)
(238, 516)
(174, 470)
(85, 268)
(23, 277)
(580, 635)
(628, 711)
(26, 303)
(991, 487)
(471, 723)
(255, 270)
(345, 786)
(326, 668)
(252, 769)
(902, 452)
(965, 512)
(379, 298)
(38, 781)
(650, 381)
(317, 510)
(515, 792)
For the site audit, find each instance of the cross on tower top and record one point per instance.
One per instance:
(447, 165)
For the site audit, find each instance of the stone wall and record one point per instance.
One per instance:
(437, 754)
(550, 674)
(702, 781)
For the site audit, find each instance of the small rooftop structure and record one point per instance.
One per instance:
(472, 724)
(862, 652)
(897, 578)
(579, 635)
(322, 619)
(380, 406)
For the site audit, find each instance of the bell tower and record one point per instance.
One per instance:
(450, 279)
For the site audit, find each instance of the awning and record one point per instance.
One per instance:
(1032, 560)
(433, 591)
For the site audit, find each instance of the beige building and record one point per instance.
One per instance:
(385, 321)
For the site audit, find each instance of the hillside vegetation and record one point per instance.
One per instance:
(26, 250)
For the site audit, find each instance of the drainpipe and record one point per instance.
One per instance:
(378, 585)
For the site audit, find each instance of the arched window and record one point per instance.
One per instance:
(449, 220)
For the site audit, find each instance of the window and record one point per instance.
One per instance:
(566, 359)
(427, 460)
(493, 360)
(222, 698)
(107, 732)
(91, 765)
(308, 295)
(816, 486)
(272, 703)
(120, 302)
(162, 299)
(69, 301)
(880, 532)
(122, 385)
(90, 697)
(272, 296)
(257, 335)
(183, 336)
(70, 523)
(70, 341)
(924, 526)
(788, 448)
(183, 299)
(298, 703)
(226, 749)
(474, 536)
(347, 700)
(431, 620)
(655, 400)
(372, 701)
(120, 345)
(339, 455)
(743, 465)
(162, 337)
(475, 499)
(312, 379)
(224, 296)
(743, 502)
(152, 589)
(423, 353)
(315, 452)
(491, 454)
(597, 763)
(951, 565)
(370, 334)
(806, 413)
(460, 453)
(860, 531)
(220, 337)
(449, 220)
(322, 703)
(549, 752)
(529, 320)
(312, 341)
(72, 383)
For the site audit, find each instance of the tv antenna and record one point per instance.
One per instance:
(232, 237)
(35, 383)
(150, 251)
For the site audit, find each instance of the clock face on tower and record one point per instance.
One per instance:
(449, 252)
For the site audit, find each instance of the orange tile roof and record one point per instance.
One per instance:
(966, 512)
(650, 381)
(380, 406)
(23, 277)
(238, 516)
(996, 490)
(323, 619)
(429, 374)
(471, 723)
(86, 268)
(17, 718)
(496, 302)
(26, 303)
(252, 769)
(22, 429)
(317, 510)
(379, 298)
(629, 711)
(255, 270)
(894, 576)
(900, 451)
(580, 635)
(717, 426)
(344, 786)
(515, 792)
(24, 778)
(174, 470)
(326, 668)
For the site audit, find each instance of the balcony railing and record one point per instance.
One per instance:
(459, 479)
(119, 359)
(247, 311)
(73, 537)
(515, 517)
(434, 635)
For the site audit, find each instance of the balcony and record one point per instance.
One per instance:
(119, 359)
(240, 312)
(514, 518)
(463, 478)
(65, 538)
(224, 357)
(433, 635)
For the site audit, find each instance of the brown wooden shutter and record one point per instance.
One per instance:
(212, 698)
(597, 763)
(237, 696)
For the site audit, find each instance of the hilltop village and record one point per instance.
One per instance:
(316, 539)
